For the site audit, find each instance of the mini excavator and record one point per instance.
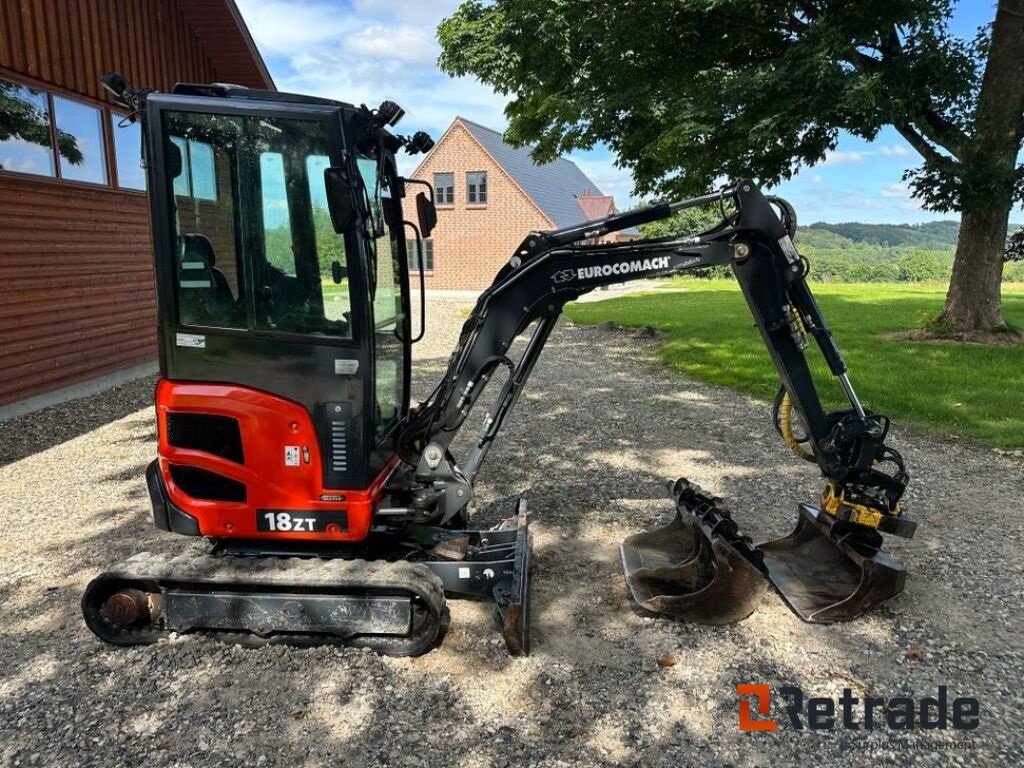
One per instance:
(335, 511)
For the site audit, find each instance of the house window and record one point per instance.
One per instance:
(26, 142)
(414, 259)
(80, 145)
(476, 187)
(444, 188)
(128, 152)
(49, 135)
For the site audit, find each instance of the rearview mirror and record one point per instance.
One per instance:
(426, 213)
(339, 198)
(338, 272)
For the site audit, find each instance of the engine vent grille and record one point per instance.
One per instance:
(209, 486)
(339, 445)
(219, 435)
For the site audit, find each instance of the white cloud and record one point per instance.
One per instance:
(376, 50)
(403, 43)
(841, 157)
(900, 195)
(893, 150)
(894, 190)
(286, 27)
(817, 179)
(409, 11)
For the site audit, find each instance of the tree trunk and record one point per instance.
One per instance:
(973, 301)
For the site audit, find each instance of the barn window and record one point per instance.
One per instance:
(128, 152)
(26, 141)
(444, 188)
(80, 145)
(414, 259)
(476, 187)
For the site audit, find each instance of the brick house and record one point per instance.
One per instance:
(489, 195)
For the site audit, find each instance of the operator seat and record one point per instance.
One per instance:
(205, 293)
(199, 247)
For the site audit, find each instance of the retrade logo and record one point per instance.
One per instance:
(853, 712)
(763, 695)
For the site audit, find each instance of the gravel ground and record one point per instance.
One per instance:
(593, 439)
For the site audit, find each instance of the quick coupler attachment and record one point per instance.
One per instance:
(697, 568)
(830, 570)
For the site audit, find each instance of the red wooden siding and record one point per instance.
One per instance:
(76, 276)
(76, 298)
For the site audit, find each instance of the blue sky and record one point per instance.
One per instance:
(364, 51)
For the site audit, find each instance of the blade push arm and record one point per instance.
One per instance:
(552, 268)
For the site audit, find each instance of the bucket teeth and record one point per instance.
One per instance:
(697, 568)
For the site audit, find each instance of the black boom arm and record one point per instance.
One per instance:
(552, 268)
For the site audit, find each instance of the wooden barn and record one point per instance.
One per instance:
(77, 306)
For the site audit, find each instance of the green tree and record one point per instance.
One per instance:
(921, 265)
(686, 222)
(686, 90)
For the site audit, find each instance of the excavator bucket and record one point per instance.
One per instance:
(698, 567)
(828, 574)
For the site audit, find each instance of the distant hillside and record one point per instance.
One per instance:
(932, 235)
(856, 252)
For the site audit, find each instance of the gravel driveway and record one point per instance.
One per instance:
(594, 437)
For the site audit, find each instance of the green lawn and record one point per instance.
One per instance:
(966, 390)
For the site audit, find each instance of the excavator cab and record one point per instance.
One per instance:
(284, 313)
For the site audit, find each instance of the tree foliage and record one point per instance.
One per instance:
(686, 90)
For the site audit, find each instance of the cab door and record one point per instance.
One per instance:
(389, 297)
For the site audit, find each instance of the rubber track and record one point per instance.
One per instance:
(275, 574)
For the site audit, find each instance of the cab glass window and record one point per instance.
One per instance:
(388, 319)
(330, 248)
(250, 249)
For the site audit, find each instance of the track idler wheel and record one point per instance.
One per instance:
(697, 568)
(128, 608)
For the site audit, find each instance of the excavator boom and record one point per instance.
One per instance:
(551, 269)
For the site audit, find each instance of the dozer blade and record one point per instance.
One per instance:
(828, 574)
(697, 568)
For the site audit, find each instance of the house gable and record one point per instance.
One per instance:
(472, 241)
(454, 147)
